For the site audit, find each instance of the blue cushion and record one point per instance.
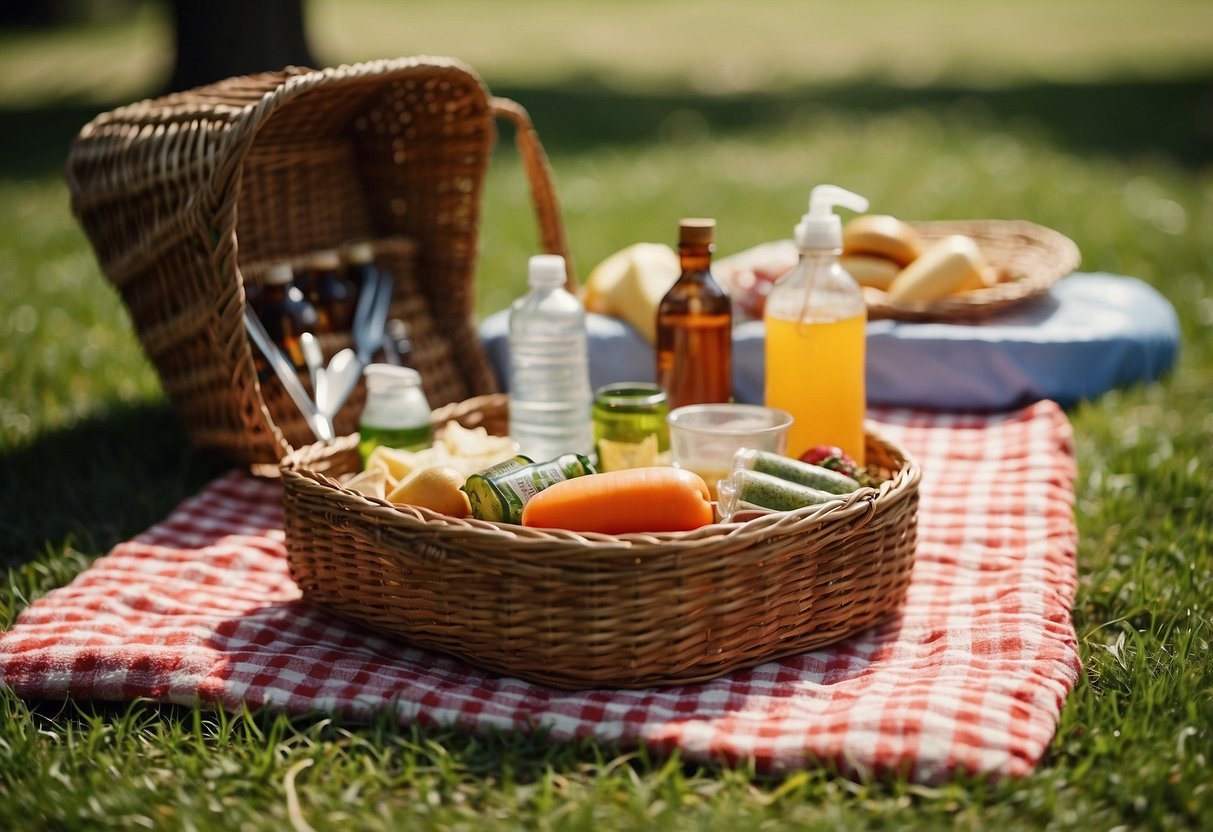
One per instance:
(1089, 334)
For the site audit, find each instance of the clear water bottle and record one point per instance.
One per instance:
(550, 393)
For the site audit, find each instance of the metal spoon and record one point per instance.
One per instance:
(341, 377)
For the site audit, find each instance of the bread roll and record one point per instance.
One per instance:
(883, 236)
(870, 270)
(953, 264)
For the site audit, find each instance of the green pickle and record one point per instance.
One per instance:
(501, 492)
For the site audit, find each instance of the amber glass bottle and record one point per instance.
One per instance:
(284, 312)
(331, 292)
(695, 325)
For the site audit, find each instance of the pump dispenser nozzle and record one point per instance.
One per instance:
(821, 228)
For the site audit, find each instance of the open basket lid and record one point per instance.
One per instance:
(177, 193)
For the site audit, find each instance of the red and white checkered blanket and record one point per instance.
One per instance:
(971, 676)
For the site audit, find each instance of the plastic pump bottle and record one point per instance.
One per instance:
(815, 327)
(550, 394)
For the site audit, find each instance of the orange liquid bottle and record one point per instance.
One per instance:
(695, 325)
(815, 335)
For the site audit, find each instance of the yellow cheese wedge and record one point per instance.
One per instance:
(953, 264)
(604, 280)
(631, 283)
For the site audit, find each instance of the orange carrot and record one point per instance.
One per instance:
(618, 502)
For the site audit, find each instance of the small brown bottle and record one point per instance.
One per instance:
(284, 311)
(695, 325)
(360, 267)
(331, 292)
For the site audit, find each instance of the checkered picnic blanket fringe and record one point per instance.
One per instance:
(970, 676)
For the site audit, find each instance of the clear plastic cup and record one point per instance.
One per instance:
(704, 437)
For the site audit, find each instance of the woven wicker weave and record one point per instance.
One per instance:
(1030, 257)
(585, 610)
(180, 194)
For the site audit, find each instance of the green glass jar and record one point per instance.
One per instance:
(630, 428)
(396, 413)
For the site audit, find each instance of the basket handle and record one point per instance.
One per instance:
(538, 173)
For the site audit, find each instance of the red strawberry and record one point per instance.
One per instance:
(832, 457)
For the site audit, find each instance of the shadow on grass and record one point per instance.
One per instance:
(524, 756)
(97, 483)
(1172, 119)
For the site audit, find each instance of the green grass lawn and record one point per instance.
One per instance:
(1113, 154)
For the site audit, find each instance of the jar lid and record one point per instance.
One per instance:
(389, 377)
(629, 395)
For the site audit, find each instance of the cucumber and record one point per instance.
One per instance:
(775, 493)
(793, 470)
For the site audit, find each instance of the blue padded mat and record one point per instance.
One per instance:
(1088, 334)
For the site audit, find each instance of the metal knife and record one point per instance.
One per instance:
(320, 424)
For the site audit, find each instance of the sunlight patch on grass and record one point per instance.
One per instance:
(715, 48)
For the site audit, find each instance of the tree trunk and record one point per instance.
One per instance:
(217, 39)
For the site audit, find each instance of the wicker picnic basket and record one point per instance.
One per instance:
(185, 199)
(577, 610)
(1028, 257)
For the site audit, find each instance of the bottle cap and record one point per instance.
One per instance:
(821, 228)
(546, 271)
(326, 258)
(696, 231)
(279, 274)
(359, 253)
(390, 377)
